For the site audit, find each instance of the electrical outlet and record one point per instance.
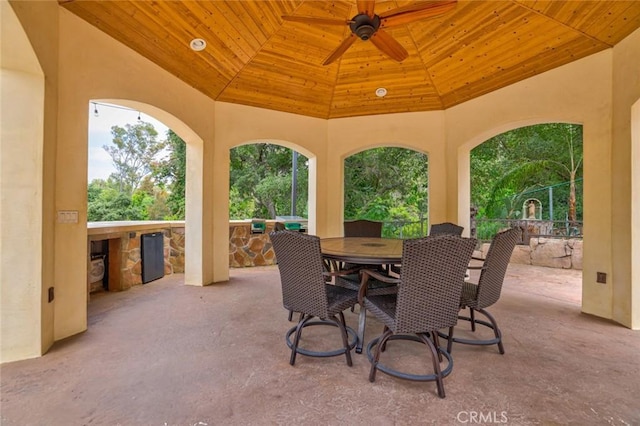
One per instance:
(601, 277)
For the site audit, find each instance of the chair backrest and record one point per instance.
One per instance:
(495, 266)
(433, 271)
(445, 228)
(300, 265)
(362, 228)
(279, 226)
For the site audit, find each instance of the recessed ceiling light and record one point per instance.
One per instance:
(198, 44)
(381, 92)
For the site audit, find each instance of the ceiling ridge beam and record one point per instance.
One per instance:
(537, 12)
(339, 63)
(426, 68)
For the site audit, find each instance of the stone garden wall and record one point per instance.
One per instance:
(548, 252)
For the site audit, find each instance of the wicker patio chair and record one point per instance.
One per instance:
(305, 290)
(478, 297)
(362, 228)
(428, 299)
(445, 228)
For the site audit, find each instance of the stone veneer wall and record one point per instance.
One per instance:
(247, 249)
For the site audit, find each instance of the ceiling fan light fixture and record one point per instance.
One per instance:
(365, 32)
(197, 44)
(364, 26)
(381, 92)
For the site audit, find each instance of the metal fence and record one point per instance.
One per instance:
(485, 229)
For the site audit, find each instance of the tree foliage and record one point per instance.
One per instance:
(138, 189)
(386, 184)
(133, 153)
(261, 179)
(510, 167)
(172, 172)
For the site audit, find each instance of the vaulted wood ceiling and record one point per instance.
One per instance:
(254, 57)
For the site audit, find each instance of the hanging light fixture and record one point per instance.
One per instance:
(95, 110)
(138, 115)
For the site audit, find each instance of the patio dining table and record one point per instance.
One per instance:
(362, 251)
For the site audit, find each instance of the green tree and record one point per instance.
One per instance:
(172, 171)
(133, 153)
(108, 204)
(386, 183)
(260, 181)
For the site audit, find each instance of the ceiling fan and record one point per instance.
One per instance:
(367, 25)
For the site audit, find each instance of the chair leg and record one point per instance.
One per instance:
(362, 319)
(376, 357)
(496, 330)
(436, 343)
(296, 340)
(383, 347)
(290, 315)
(450, 340)
(472, 315)
(436, 364)
(345, 338)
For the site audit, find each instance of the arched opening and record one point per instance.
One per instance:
(193, 255)
(530, 178)
(270, 182)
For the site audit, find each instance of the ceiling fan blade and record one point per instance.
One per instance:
(388, 45)
(366, 6)
(317, 21)
(346, 43)
(415, 12)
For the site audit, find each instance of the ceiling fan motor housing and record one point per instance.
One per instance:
(364, 26)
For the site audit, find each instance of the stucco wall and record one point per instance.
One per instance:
(82, 64)
(26, 326)
(626, 181)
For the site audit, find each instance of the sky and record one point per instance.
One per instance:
(100, 165)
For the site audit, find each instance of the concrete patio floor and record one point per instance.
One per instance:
(169, 354)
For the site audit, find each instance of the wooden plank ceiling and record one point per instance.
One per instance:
(254, 57)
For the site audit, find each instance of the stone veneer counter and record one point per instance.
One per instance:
(120, 242)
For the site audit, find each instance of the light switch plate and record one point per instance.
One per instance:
(67, 216)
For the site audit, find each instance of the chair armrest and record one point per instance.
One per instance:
(476, 268)
(366, 273)
(341, 273)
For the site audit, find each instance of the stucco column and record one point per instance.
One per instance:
(625, 181)
(21, 171)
